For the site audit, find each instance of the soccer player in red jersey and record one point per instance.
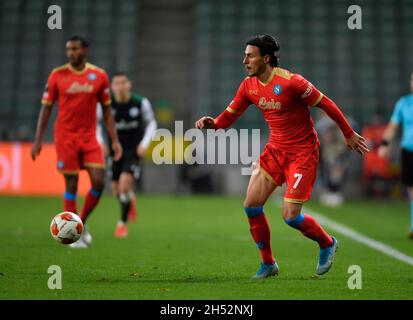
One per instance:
(77, 87)
(291, 155)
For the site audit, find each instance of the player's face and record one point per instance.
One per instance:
(121, 85)
(253, 61)
(75, 53)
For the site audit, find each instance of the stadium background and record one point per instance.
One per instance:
(186, 57)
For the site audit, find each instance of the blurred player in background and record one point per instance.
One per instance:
(291, 154)
(135, 123)
(77, 87)
(402, 116)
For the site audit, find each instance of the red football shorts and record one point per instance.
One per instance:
(76, 153)
(298, 170)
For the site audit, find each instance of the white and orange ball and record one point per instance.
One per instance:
(66, 227)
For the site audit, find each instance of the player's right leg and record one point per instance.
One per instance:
(259, 189)
(124, 190)
(70, 196)
(94, 163)
(300, 177)
(68, 166)
(67, 149)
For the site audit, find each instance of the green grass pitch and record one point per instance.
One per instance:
(185, 247)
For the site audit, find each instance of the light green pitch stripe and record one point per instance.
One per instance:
(358, 237)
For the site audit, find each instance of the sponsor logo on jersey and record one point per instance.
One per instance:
(269, 105)
(134, 112)
(76, 87)
(124, 125)
(92, 76)
(277, 89)
(307, 91)
(295, 191)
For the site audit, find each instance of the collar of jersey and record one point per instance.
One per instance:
(87, 65)
(273, 73)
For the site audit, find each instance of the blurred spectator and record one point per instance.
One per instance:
(22, 133)
(375, 168)
(198, 177)
(335, 161)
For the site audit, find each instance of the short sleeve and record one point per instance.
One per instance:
(50, 90)
(397, 116)
(305, 90)
(104, 92)
(240, 102)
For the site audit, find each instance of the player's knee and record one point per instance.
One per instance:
(252, 203)
(71, 183)
(292, 216)
(98, 184)
(290, 211)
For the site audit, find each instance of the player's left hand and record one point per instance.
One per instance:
(140, 151)
(117, 150)
(357, 143)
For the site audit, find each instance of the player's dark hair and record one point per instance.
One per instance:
(83, 42)
(267, 45)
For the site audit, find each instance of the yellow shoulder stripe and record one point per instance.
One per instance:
(65, 66)
(283, 73)
(93, 67)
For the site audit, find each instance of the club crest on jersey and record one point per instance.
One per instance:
(270, 105)
(60, 164)
(277, 89)
(92, 76)
(134, 112)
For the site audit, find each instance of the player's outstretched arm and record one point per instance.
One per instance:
(110, 125)
(223, 121)
(354, 141)
(44, 117)
(235, 109)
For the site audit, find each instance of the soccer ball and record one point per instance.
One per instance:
(66, 227)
